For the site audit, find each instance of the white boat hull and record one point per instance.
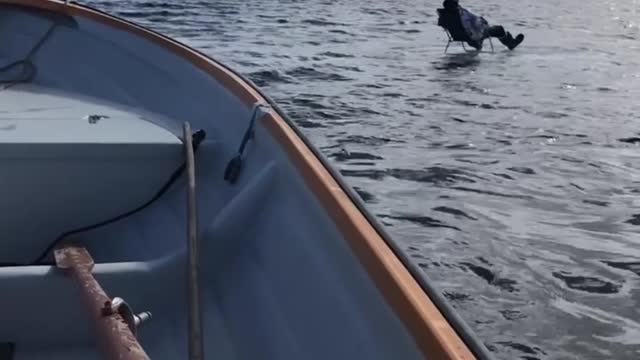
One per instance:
(292, 266)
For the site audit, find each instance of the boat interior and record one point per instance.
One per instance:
(92, 153)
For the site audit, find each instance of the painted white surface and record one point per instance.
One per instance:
(36, 115)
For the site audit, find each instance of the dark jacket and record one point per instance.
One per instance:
(462, 24)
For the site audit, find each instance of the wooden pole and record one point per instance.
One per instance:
(114, 336)
(196, 348)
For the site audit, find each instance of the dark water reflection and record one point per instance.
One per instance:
(512, 179)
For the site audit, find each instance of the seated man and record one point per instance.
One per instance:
(465, 26)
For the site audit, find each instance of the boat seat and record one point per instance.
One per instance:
(45, 308)
(69, 162)
(26, 314)
(68, 353)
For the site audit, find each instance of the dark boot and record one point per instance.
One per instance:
(510, 42)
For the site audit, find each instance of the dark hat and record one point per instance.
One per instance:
(450, 4)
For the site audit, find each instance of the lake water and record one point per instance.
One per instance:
(512, 178)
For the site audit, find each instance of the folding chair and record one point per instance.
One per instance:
(452, 25)
(461, 41)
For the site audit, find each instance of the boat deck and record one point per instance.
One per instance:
(35, 115)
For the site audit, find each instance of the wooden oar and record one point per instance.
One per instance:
(113, 334)
(196, 348)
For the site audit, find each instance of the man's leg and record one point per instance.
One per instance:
(505, 37)
(496, 31)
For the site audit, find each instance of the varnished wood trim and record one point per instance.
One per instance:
(431, 331)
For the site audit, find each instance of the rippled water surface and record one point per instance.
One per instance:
(512, 179)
